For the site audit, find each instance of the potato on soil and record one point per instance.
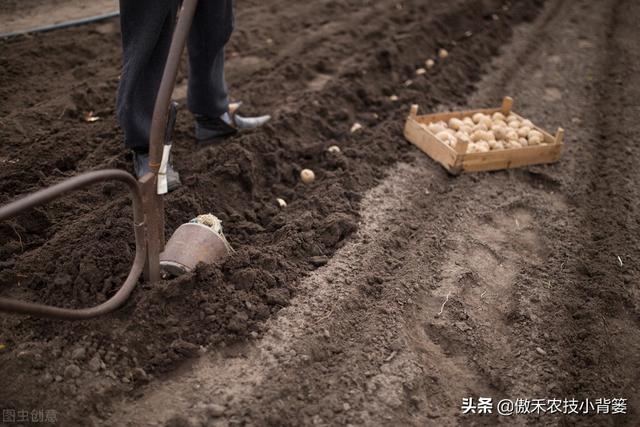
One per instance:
(307, 176)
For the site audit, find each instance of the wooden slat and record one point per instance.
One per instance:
(430, 118)
(430, 144)
(512, 158)
(507, 104)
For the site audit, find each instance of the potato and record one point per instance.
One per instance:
(513, 144)
(477, 117)
(500, 132)
(466, 129)
(446, 137)
(483, 146)
(487, 122)
(436, 127)
(307, 176)
(482, 135)
(535, 138)
(498, 116)
(462, 136)
(477, 135)
(455, 123)
(523, 131)
(496, 145)
(511, 135)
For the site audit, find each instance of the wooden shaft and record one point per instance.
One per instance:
(163, 99)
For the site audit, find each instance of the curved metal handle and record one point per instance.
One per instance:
(46, 195)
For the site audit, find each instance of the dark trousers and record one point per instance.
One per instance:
(147, 27)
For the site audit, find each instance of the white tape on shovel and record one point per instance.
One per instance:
(163, 185)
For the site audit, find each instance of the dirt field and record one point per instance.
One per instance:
(387, 291)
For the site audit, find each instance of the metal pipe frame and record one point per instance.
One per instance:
(72, 184)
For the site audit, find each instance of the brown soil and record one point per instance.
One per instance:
(331, 311)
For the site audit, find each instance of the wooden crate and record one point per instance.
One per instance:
(457, 160)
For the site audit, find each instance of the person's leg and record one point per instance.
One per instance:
(147, 27)
(211, 29)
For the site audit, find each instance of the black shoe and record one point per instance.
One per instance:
(141, 167)
(213, 129)
(210, 130)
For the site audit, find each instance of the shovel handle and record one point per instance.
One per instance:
(163, 99)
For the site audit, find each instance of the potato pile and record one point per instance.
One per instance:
(486, 132)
